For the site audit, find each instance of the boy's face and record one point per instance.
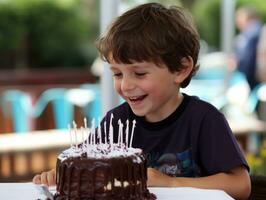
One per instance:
(151, 91)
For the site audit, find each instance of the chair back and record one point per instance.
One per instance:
(63, 110)
(94, 109)
(19, 104)
(63, 101)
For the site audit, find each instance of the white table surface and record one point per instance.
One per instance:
(28, 191)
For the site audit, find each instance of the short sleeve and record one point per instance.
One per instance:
(218, 148)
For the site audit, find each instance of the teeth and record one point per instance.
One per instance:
(133, 98)
(136, 98)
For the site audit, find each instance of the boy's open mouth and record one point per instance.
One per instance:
(137, 98)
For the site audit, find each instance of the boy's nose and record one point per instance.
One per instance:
(127, 84)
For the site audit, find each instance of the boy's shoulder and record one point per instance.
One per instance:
(196, 103)
(197, 108)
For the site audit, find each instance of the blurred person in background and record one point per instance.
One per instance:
(250, 26)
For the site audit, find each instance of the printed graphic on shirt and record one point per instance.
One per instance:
(179, 164)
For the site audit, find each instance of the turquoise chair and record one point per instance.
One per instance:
(63, 110)
(94, 109)
(63, 101)
(18, 104)
(237, 77)
(256, 95)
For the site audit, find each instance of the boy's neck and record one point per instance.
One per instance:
(175, 105)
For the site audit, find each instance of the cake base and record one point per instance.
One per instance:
(148, 196)
(114, 178)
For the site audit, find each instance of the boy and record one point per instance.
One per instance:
(153, 51)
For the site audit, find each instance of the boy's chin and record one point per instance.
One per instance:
(139, 114)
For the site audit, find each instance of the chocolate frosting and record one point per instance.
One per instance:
(114, 178)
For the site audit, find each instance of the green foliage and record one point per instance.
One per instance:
(257, 162)
(11, 26)
(12, 31)
(206, 14)
(46, 33)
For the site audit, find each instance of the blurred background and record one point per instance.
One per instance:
(50, 75)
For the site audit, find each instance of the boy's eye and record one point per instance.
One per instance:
(140, 74)
(117, 74)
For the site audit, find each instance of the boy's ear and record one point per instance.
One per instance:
(187, 64)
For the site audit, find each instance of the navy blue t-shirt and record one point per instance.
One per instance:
(195, 140)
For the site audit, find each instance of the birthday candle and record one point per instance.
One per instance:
(88, 141)
(75, 134)
(82, 134)
(85, 122)
(132, 133)
(87, 133)
(85, 129)
(99, 133)
(122, 125)
(105, 137)
(99, 130)
(70, 136)
(111, 133)
(127, 128)
(93, 131)
(119, 131)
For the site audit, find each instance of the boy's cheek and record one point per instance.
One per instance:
(117, 88)
(116, 85)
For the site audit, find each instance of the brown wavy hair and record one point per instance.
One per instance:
(152, 33)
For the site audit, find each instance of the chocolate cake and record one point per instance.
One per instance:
(102, 172)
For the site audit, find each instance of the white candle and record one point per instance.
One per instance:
(70, 136)
(122, 138)
(132, 133)
(119, 131)
(82, 135)
(93, 131)
(111, 133)
(87, 133)
(99, 131)
(85, 122)
(88, 140)
(127, 128)
(122, 126)
(105, 134)
(75, 134)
